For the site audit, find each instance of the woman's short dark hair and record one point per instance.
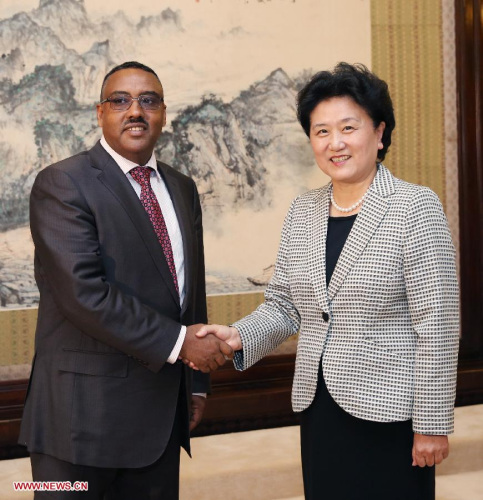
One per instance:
(358, 83)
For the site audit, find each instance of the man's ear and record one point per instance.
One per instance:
(100, 113)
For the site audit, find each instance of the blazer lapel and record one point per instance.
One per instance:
(372, 212)
(317, 230)
(114, 179)
(183, 212)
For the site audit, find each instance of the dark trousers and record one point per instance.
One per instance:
(158, 481)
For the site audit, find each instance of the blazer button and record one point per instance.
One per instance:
(325, 317)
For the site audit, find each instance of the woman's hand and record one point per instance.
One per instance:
(228, 334)
(429, 450)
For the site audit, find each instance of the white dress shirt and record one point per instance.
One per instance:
(164, 199)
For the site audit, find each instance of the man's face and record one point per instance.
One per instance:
(133, 132)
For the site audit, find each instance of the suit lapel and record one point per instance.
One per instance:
(367, 221)
(317, 230)
(185, 224)
(114, 179)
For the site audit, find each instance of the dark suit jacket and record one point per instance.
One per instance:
(101, 392)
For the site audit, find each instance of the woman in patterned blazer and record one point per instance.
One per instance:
(366, 274)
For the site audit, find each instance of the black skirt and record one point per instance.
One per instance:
(347, 458)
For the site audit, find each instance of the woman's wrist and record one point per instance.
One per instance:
(235, 339)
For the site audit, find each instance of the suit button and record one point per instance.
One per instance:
(325, 317)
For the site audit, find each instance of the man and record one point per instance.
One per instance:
(120, 268)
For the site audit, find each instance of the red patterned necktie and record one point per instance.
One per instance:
(142, 176)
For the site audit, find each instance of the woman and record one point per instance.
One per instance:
(366, 273)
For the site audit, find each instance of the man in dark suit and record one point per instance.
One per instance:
(120, 268)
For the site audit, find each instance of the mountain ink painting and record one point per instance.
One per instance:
(230, 71)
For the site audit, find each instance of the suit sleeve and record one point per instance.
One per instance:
(277, 318)
(67, 248)
(432, 292)
(201, 381)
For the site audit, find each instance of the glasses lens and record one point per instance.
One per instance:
(120, 102)
(150, 102)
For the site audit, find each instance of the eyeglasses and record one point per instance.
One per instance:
(122, 102)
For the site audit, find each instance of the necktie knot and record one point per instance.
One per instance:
(141, 175)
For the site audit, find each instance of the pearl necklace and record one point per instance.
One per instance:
(346, 210)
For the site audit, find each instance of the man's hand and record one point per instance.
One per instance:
(429, 450)
(206, 353)
(228, 334)
(198, 404)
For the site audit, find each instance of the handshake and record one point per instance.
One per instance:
(207, 347)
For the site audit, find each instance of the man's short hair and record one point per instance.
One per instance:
(127, 65)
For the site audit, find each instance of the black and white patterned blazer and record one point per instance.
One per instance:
(387, 326)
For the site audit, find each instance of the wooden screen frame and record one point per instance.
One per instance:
(468, 27)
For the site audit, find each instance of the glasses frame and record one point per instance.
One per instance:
(109, 100)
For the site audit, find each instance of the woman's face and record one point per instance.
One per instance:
(344, 140)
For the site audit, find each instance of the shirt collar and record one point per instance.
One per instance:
(124, 164)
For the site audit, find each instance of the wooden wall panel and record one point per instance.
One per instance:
(468, 22)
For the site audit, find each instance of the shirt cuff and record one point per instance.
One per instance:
(173, 357)
(202, 394)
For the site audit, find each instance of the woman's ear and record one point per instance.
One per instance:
(379, 132)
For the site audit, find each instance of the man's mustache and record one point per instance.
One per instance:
(136, 120)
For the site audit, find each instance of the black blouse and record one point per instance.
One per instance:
(338, 230)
